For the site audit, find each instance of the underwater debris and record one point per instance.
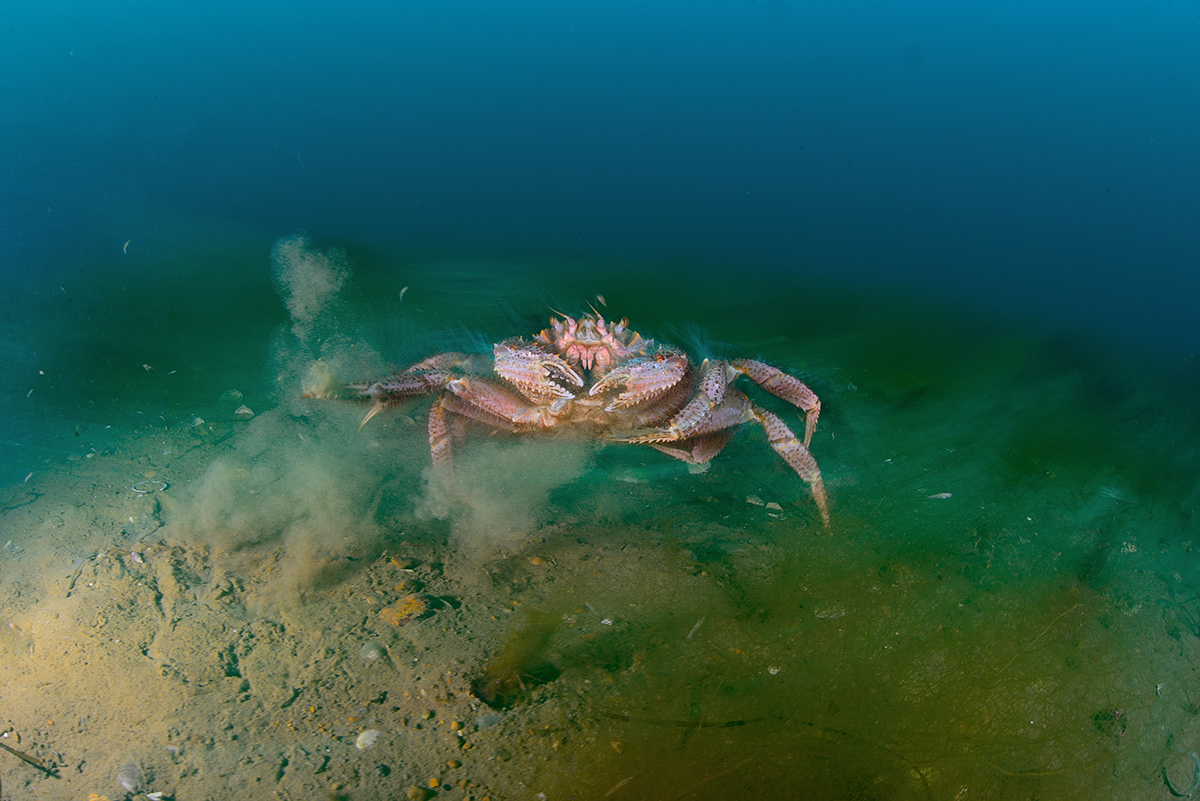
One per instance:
(372, 652)
(1111, 721)
(1191, 788)
(130, 777)
(405, 610)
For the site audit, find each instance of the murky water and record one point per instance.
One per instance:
(224, 585)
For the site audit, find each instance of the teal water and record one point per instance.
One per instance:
(1005, 605)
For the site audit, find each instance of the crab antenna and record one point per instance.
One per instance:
(595, 310)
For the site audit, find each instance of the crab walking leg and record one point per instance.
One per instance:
(476, 396)
(785, 386)
(698, 450)
(439, 433)
(793, 451)
(450, 360)
(696, 417)
(446, 417)
(390, 391)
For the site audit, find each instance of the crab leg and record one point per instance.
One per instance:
(698, 450)
(782, 385)
(439, 433)
(793, 451)
(390, 391)
(424, 377)
(497, 402)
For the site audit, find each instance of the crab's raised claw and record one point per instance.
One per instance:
(644, 378)
(793, 451)
(534, 371)
(785, 386)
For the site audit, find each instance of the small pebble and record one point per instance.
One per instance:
(372, 651)
(455, 725)
(417, 793)
(130, 777)
(454, 763)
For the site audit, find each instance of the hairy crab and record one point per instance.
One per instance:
(605, 380)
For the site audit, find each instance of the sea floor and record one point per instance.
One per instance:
(212, 587)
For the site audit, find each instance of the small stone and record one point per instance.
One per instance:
(415, 793)
(434, 782)
(456, 725)
(453, 763)
(373, 651)
(427, 714)
(243, 411)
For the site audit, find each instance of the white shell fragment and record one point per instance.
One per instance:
(366, 739)
(243, 411)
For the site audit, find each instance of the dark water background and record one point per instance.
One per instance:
(1036, 157)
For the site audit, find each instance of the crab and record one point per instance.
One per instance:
(602, 379)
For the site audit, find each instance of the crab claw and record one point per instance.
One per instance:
(532, 370)
(643, 378)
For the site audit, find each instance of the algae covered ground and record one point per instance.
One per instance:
(212, 587)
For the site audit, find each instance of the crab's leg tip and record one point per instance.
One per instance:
(375, 409)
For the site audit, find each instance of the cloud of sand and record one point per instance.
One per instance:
(499, 493)
(301, 488)
(308, 280)
(297, 501)
(295, 504)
